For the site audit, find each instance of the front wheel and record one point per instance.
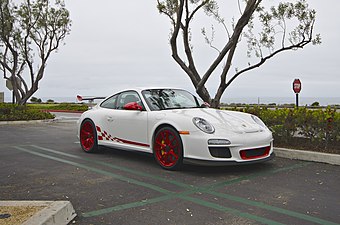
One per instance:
(88, 136)
(168, 148)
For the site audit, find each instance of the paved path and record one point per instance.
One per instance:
(44, 162)
(66, 117)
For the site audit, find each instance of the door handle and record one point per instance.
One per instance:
(110, 119)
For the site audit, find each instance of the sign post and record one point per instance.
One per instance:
(2, 97)
(10, 87)
(297, 89)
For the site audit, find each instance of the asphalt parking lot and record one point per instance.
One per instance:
(45, 162)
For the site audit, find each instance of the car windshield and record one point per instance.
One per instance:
(161, 99)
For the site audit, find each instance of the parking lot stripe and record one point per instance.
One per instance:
(272, 208)
(179, 184)
(254, 175)
(103, 172)
(127, 206)
(162, 198)
(209, 190)
(231, 210)
(184, 195)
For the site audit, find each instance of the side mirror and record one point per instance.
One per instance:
(133, 106)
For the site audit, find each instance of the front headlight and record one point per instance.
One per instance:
(258, 121)
(203, 125)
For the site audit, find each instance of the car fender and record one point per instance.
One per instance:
(160, 119)
(89, 114)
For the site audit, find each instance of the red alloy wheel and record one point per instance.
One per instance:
(88, 139)
(168, 148)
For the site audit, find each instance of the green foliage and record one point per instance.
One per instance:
(30, 31)
(274, 22)
(71, 107)
(60, 106)
(35, 100)
(321, 127)
(10, 112)
(315, 104)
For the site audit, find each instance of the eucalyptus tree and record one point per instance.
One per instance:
(265, 30)
(30, 30)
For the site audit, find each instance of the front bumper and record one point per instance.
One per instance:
(246, 147)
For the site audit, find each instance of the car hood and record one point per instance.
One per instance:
(223, 119)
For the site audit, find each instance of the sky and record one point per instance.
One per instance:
(115, 45)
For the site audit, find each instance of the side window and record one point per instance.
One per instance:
(110, 103)
(127, 97)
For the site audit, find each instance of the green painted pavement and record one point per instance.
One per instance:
(183, 195)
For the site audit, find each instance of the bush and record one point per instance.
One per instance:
(35, 100)
(71, 107)
(10, 112)
(315, 104)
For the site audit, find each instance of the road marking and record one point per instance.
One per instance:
(272, 208)
(254, 175)
(183, 195)
(180, 184)
(103, 172)
(231, 210)
(127, 206)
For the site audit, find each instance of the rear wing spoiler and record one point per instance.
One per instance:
(90, 99)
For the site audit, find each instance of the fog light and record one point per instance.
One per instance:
(218, 142)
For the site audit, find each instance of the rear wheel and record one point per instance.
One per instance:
(88, 136)
(168, 148)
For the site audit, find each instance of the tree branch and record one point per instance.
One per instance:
(263, 60)
(242, 22)
(196, 10)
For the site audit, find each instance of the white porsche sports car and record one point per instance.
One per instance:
(176, 127)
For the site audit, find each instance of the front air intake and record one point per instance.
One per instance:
(220, 152)
(255, 153)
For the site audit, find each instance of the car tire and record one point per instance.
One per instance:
(88, 136)
(168, 148)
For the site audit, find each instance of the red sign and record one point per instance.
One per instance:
(297, 86)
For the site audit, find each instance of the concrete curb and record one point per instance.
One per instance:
(53, 213)
(25, 122)
(20, 122)
(65, 111)
(333, 159)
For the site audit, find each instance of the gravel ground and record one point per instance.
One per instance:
(16, 215)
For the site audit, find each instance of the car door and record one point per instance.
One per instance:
(103, 120)
(128, 128)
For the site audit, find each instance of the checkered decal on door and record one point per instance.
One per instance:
(103, 135)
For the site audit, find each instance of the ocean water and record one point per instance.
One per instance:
(323, 101)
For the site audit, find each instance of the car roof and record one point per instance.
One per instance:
(139, 89)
